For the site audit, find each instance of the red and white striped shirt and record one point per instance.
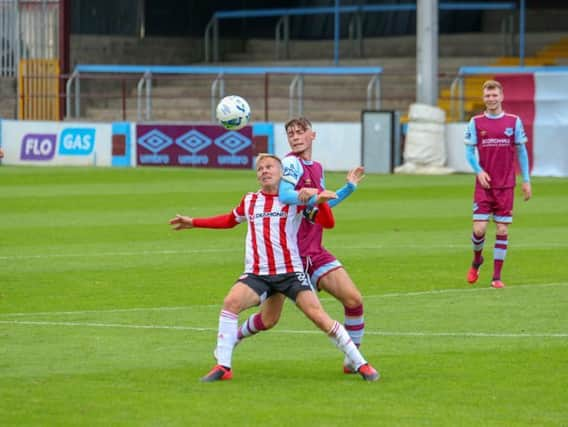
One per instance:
(271, 242)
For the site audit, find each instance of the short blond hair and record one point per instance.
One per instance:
(492, 84)
(262, 156)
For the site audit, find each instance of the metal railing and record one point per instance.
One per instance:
(282, 30)
(217, 85)
(28, 30)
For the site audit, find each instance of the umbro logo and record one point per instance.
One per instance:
(155, 141)
(193, 141)
(233, 142)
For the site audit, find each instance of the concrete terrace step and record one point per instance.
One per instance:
(278, 109)
(325, 97)
(461, 44)
(8, 95)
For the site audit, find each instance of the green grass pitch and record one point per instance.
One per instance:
(108, 318)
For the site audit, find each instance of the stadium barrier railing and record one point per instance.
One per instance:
(282, 29)
(216, 77)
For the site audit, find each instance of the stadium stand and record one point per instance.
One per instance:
(187, 98)
(183, 98)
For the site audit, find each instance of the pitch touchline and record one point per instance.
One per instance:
(366, 297)
(450, 291)
(115, 254)
(215, 250)
(289, 331)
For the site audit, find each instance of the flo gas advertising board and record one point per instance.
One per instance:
(56, 143)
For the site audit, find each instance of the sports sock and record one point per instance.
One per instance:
(477, 242)
(355, 323)
(499, 253)
(252, 326)
(227, 337)
(342, 341)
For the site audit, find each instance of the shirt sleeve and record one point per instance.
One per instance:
(292, 170)
(471, 158)
(520, 135)
(220, 221)
(239, 212)
(324, 217)
(342, 194)
(287, 193)
(470, 136)
(523, 156)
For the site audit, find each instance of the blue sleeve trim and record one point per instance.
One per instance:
(287, 193)
(472, 158)
(520, 135)
(470, 136)
(342, 194)
(523, 156)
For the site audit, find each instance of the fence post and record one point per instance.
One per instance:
(219, 81)
(68, 87)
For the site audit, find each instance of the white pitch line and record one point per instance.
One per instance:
(222, 250)
(116, 254)
(366, 297)
(466, 290)
(289, 331)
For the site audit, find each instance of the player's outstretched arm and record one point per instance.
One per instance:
(180, 222)
(325, 196)
(288, 195)
(324, 216)
(321, 214)
(354, 177)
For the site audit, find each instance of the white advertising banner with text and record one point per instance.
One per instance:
(56, 143)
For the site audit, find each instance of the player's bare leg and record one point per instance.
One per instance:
(266, 318)
(338, 284)
(310, 305)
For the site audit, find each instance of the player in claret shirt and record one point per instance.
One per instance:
(499, 137)
(272, 265)
(303, 178)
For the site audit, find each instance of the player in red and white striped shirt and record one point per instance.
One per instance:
(272, 265)
(271, 241)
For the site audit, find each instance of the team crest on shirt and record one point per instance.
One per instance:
(509, 131)
(290, 171)
(483, 133)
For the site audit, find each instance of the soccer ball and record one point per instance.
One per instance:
(233, 112)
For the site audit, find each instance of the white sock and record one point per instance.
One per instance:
(227, 337)
(342, 341)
